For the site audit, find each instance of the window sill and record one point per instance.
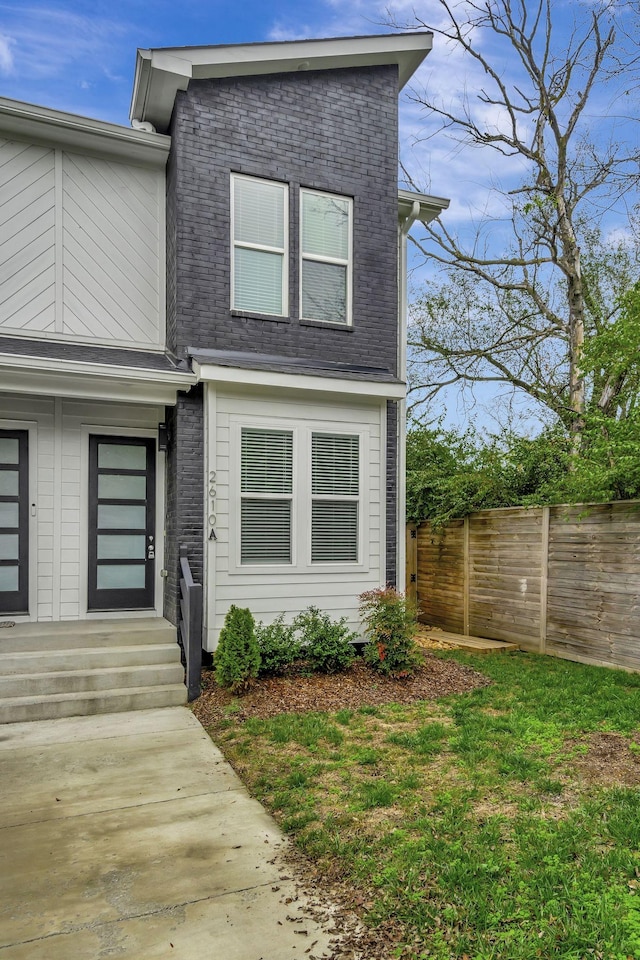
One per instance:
(346, 327)
(336, 569)
(260, 316)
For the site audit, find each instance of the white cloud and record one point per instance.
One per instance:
(6, 54)
(44, 40)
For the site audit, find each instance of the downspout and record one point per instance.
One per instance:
(401, 497)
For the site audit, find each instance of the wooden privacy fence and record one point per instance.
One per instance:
(563, 580)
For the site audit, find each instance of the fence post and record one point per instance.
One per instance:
(412, 563)
(465, 587)
(544, 578)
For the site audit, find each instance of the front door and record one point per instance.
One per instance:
(121, 523)
(14, 521)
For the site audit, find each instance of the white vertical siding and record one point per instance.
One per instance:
(269, 592)
(27, 237)
(82, 249)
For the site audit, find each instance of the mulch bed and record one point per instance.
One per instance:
(357, 687)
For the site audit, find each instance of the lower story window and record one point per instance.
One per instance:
(335, 489)
(267, 489)
(300, 496)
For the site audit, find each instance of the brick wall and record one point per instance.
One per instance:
(185, 493)
(330, 130)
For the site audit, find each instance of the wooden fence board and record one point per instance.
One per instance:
(562, 579)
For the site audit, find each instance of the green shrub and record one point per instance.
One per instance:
(326, 643)
(389, 620)
(279, 646)
(237, 658)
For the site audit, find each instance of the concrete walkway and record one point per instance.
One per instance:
(129, 836)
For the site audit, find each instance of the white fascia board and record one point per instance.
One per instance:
(160, 73)
(28, 121)
(427, 210)
(98, 381)
(212, 373)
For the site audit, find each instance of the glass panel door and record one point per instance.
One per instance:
(121, 523)
(14, 521)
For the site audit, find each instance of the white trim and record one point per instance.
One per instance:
(383, 494)
(317, 258)
(301, 497)
(115, 431)
(160, 73)
(401, 498)
(246, 245)
(58, 196)
(97, 381)
(27, 121)
(210, 508)
(58, 443)
(31, 426)
(209, 372)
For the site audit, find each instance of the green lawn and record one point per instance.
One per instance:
(504, 823)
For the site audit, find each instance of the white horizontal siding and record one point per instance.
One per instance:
(269, 593)
(59, 564)
(82, 247)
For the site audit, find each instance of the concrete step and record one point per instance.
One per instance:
(79, 681)
(53, 706)
(88, 658)
(70, 634)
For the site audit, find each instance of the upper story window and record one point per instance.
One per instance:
(259, 227)
(326, 257)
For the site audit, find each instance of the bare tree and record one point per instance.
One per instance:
(516, 311)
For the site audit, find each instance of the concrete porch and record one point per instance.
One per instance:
(83, 667)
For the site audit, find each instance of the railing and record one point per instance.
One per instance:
(190, 627)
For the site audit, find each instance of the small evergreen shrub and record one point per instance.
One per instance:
(389, 620)
(237, 658)
(326, 643)
(279, 646)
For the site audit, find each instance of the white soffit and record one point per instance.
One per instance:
(160, 73)
(26, 121)
(234, 376)
(98, 381)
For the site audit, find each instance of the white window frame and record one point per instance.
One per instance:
(338, 261)
(301, 498)
(245, 245)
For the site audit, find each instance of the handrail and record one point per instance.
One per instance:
(190, 627)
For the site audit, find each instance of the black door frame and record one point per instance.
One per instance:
(17, 601)
(142, 598)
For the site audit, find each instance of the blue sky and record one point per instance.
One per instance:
(79, 56)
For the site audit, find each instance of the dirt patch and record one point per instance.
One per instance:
(609, 761)
(355, 688)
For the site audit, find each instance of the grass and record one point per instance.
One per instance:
(468, 823)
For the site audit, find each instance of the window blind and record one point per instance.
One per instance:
(259, 241)
(325, 257)
(266, 487)
(325, 225)
(335, 476)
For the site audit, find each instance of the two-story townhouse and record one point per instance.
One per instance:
(201, 337)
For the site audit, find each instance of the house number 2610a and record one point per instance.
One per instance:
(212, 505)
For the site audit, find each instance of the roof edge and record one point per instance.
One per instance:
(161, 72)
(44, 124)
